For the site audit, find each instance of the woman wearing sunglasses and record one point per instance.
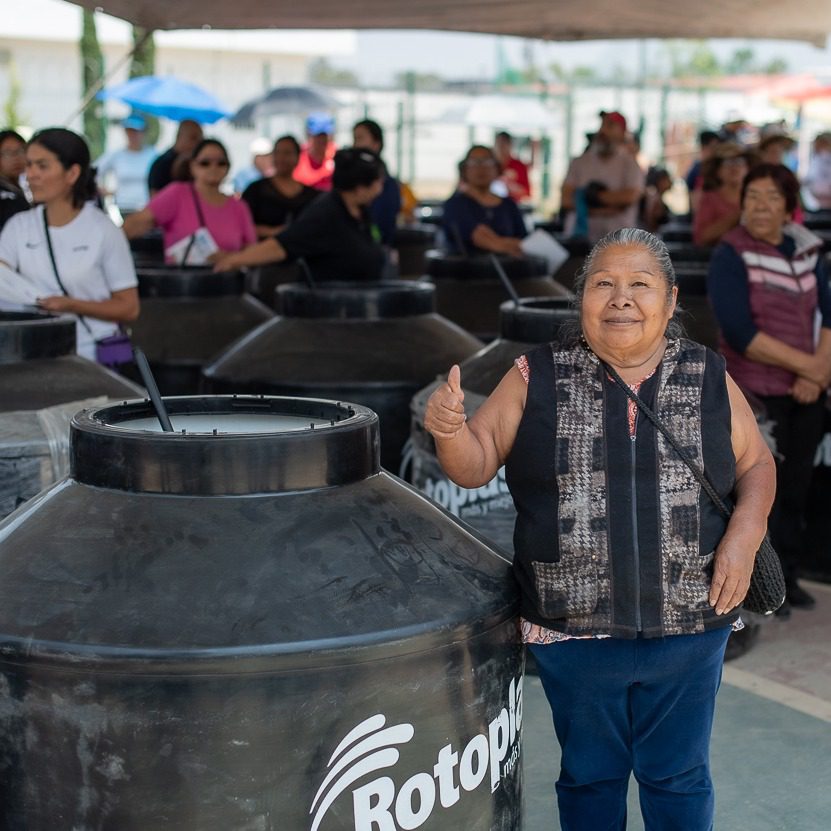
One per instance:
(198, 221)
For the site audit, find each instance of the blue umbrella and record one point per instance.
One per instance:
(168, 97)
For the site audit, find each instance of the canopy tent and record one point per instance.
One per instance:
(808, 20)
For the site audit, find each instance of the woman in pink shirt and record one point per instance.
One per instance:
(184, 208)
(718, 209)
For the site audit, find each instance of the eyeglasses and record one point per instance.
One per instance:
(13, 154)
(213, 163)
(480, 163)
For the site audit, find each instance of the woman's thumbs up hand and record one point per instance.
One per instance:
(445, 416)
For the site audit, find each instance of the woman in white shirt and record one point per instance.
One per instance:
(66, 255)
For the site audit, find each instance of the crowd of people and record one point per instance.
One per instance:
(336, 211)
(626, 571)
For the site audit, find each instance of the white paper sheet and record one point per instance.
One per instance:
(539, 243)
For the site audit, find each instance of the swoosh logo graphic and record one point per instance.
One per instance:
(367, 740)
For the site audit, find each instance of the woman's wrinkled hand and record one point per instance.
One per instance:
(732, 568)
(445, 416)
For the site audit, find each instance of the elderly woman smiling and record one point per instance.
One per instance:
(630, 578)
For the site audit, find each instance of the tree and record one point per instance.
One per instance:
(92, 71)
(741, 62)
(422, 81)
(775, 66)
(142, 63)
(578, 75)
(323, 73)
(692, 58)
(12, 117)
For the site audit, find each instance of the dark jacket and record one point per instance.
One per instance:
(613, 535)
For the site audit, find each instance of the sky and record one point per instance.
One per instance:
(377, 56)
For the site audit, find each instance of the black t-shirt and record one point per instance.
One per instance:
(161, 171)
(334, 244)
(12, 201)
(272, 207)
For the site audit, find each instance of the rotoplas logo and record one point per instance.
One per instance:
(372, 746)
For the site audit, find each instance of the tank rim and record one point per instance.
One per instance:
(30, 334)
(104, 454)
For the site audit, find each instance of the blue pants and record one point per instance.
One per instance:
(644, 706)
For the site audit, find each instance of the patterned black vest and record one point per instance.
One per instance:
(613, 533)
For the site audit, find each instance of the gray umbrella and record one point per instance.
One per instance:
(284, 101)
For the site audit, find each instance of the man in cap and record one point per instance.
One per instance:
(261, 167)
(123, 173)
(605, 184)
(774, 145)
(317, 158)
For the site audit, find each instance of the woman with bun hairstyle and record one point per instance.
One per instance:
(66, 255)
(334, 235)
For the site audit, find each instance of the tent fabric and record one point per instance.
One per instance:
(807, 20)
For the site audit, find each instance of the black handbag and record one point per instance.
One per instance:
(766, 592)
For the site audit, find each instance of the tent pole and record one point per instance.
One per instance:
(99, 85)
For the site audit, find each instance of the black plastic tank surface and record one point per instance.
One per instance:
(40, 369)
(412, 242)
(376, 344)
(262, 281)
(490, 508)
(469, 291)
(814, 559)
(188, 316)
(696, 313)
(246, 624)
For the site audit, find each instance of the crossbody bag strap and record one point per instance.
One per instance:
(199, 214)
(55, 267)
(696, 471)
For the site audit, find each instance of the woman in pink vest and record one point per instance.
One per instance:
(766, 284)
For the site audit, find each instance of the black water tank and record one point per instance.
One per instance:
(490, 508)
(250, 626)
(695, 312)
(814, 559)
(262, 281)
(577, 247)
(412, 242)
(188, 316)
(376, 344)
(38, 370)
(148, 250)
(469, 291)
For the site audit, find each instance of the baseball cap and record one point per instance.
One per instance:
(615, 117)
(134, 122)
(260, 146)
(320, 123)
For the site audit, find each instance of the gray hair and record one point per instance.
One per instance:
(571, 331)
